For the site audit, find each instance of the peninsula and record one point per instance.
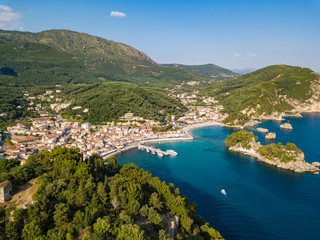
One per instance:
(288, 157)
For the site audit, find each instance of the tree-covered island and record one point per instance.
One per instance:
(287, 157)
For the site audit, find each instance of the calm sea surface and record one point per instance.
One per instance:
(262, 202)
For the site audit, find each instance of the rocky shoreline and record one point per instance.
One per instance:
(299, 166)
(286, 126)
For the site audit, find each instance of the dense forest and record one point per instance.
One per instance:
(87, 199)
(13, 105)
(287, 153)
(241, 138)
(109, 101)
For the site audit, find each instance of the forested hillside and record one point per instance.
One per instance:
(109, 101)
(87, 199)
(62, 56)
(269, 91)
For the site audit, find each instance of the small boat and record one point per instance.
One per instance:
(223, 192)
(160, 154)
(172, 153)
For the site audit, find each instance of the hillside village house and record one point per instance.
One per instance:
(5, 191)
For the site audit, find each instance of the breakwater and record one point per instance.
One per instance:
(157, 151)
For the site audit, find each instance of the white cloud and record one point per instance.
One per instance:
(117, 14)
(9, 19)
(244, 56)
(6, 8)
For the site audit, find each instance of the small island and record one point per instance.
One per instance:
(262, 130)
(271, 136)
(286, 126)
(287, 157)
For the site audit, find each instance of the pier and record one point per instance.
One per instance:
(157, 151)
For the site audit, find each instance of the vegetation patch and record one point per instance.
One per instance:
(87, 199)
(109, 101)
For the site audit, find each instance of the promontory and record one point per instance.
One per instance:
(287, 157)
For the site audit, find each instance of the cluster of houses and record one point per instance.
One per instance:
(207, 110)
(46, 133)
(203, 115)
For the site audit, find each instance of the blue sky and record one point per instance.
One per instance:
(232, 34)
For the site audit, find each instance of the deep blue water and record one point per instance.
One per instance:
(262, 202)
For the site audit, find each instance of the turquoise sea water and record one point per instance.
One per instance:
(262, 202)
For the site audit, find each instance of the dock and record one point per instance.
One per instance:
(157, 151)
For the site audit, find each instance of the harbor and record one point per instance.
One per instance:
(157, 151)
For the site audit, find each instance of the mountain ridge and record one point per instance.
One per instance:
(209, 70)
(97, 60)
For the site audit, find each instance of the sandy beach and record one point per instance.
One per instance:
(187, 129)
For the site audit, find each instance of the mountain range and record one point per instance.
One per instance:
(63, 56)
(34, 61)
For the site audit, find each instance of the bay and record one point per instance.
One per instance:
(262, 201)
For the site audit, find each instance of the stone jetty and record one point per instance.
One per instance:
(157, 151)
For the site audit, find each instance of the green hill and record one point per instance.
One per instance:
(62, 56)
(268, 92)
(37, 61)
(98, 52)
(109, 101)
(209, 70)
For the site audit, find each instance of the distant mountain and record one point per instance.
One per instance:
(63, 57)
(209, 70)
(98, 52)
(243, 70)
(269, 93)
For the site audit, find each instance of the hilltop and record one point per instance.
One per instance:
(269, 93)
(209, 70)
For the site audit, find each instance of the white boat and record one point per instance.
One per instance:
(223, 192)
(172, 153)
(160, 154)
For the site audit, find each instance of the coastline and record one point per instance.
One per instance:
(296, 166)
(188, 136)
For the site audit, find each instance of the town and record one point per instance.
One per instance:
(51, 130)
